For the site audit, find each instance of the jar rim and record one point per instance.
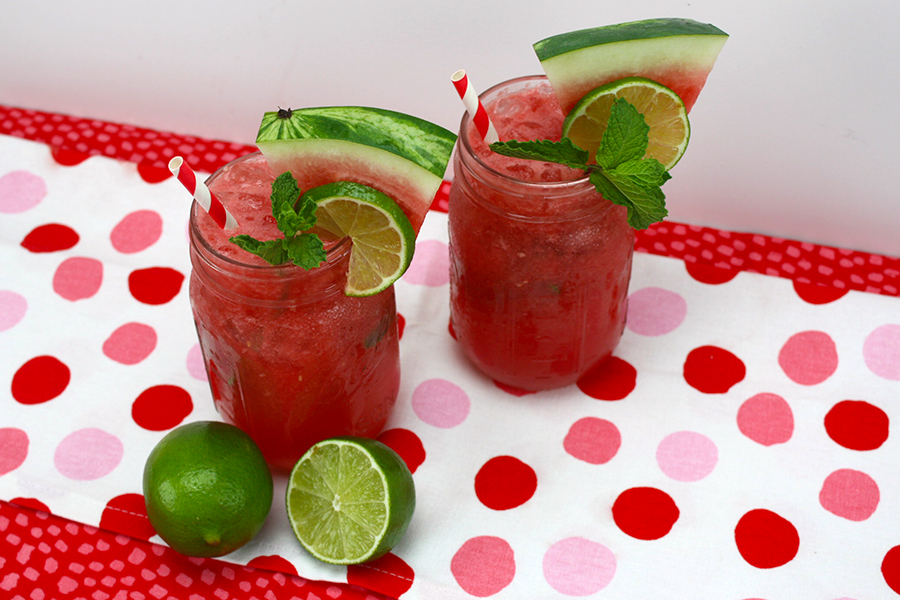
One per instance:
(333, 252)
(464, 140)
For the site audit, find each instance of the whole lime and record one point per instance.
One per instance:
(207, 488)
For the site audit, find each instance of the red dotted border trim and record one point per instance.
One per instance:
(72, 139)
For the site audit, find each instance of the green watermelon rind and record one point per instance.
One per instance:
(421, 142)
(623, 32)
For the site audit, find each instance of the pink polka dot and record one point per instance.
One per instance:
(808, 357)
(78, 278)
(881, 351)
(21, 191)
(440, 403)
(195, 365)
(578, 567)
(483, 566)
(766, 419)
(13, 449)
(593, 440)
(687, 456)
(654, 311)
(130, 344)
(12, 309)
(88, 454)
(430, 265)
(850, 494)
(137, 231)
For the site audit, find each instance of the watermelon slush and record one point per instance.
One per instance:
(539, 261)
(291, 360)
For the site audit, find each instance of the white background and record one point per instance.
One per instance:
(795, 135)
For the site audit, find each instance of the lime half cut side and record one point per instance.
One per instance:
(383, 238)
(350, 500)
(662, 109)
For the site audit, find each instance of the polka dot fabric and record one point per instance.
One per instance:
(738, 445)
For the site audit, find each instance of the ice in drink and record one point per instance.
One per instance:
(291, 359)
(539, 261)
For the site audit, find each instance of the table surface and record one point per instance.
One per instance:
(814, 418)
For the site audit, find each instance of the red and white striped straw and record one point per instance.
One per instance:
(474, 107)
(202, 194)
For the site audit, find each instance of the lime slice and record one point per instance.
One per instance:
(663, 111)
(350, 500)
(383, 238)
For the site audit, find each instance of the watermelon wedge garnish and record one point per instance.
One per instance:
(399, 155)
(678, 53)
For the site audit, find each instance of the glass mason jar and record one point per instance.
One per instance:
(291, 360)
(539, 271)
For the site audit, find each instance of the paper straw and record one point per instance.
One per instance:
(201, 194)
(474, 107)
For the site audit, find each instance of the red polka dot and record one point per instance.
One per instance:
(713, 370)
(441, 201)
(68, 158)
(136, 231)
(890, 568)
(273, 562)
(405, 443)
(51, 237)
(130, 344)
(765, 539)
(484, 565)
(711, 274)
(808, 357)
(13, 449)
(505, 482)
(156, 285)
(511, 389)
(32, 503)
(152, 174)
(78, 278)
(612, 379)
(388, 575)
(593, 440)
(40, 379)
(645, 513)
(816, 293)
(401, 325)
(857, 425)
(766, 419)
(127, 514)
(161, 407)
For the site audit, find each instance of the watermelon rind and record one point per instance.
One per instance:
(678, 53)
(400, 155)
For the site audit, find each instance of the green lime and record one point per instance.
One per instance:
(207, 488)
(383, 238)
(663, 111)
(350, 500)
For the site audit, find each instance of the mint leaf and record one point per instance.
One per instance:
(271, 251)
(563, 152)
(646, 204)
(294, 213)
(626, 136)
(305, 250)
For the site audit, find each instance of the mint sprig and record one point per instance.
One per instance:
(622, 175)
(294, 214)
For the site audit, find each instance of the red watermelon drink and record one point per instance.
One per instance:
(291, 359)
(540, 262)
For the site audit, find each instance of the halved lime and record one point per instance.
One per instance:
(383, 238)
(663, 111)
(350, 500)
